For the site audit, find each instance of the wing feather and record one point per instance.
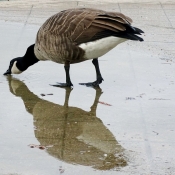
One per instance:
(110, 23)
(114, 19)
(63, 32)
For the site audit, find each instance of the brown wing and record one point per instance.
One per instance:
(80, 25)
(104, 24)
(63, 32)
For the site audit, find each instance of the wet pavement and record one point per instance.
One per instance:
(124, 127)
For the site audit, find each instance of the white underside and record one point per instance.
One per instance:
(100, 47)
(14, 69)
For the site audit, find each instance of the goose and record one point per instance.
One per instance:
(76, 35)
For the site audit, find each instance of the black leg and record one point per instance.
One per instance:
(68, 81)
(98, 74)
(96, 100)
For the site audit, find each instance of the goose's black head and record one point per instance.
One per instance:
(14, 67)
(20, 64)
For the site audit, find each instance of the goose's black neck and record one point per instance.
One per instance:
(28, 59)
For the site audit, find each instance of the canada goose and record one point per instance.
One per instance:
(78, 136)
(76, 35)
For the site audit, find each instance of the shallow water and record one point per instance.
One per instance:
(126, 125)
(69, 133)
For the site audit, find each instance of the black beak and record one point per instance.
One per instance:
(7, 72)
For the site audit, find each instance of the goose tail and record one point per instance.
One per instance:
(132, 33)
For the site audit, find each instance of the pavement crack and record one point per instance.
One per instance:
(166, 14)
(28, 15)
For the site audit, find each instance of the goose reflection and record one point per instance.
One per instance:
(77, 136)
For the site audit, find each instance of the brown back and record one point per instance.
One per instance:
(59, 37)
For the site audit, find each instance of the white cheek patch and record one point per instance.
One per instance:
(14, 69)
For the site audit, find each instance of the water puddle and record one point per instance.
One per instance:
(68, 133)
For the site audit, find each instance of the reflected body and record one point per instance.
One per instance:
(77, 136)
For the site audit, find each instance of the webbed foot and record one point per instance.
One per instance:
(63, 85)
(93, 84)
